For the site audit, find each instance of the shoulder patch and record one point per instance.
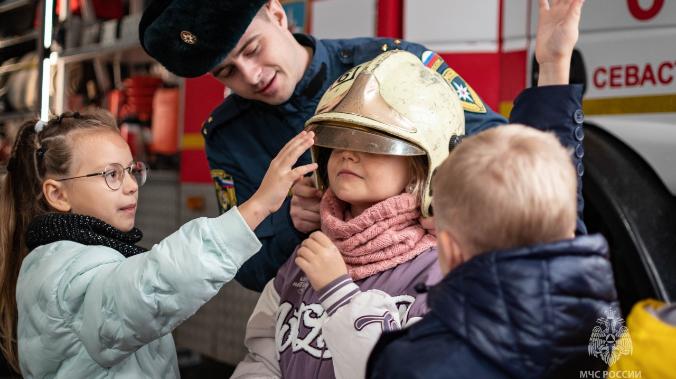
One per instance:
(471, 102)
(224, 185)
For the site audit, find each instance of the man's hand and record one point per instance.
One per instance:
(305, 206)
(556, 37)
(320, 260)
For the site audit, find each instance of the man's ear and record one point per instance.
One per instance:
(56, 195)
(277, 14)
(450, 252)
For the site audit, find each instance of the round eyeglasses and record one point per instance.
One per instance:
(114, 174)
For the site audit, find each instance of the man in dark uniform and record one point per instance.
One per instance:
(276, 79)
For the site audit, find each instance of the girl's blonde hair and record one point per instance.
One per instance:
(36, 154)
(418, 166)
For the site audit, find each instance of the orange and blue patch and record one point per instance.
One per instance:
(471, 102)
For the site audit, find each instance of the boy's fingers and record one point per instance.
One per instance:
(575, 9)
(544, 4)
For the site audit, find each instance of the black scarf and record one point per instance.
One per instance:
(52, 227)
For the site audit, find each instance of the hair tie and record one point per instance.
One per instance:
(39, 126)
(41, 153)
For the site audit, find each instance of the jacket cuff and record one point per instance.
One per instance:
(553, 107)
(337, 294)
(234, 236)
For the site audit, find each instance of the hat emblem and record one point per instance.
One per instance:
(188, 37)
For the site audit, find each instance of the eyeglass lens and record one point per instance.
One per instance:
(114, 174)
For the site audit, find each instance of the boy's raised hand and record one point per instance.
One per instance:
(320, 260)
(557, 34)
(278, 180)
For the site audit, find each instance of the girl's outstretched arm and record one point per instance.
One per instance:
(118, 305)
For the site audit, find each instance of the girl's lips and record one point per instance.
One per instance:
(348, 173)
(129, 208)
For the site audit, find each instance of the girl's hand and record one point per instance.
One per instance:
(305, 206)
(278, 180)
(557, 34)
(320, 260)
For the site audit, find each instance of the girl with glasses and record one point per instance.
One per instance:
(78, 297)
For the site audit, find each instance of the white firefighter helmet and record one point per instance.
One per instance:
(391, 105)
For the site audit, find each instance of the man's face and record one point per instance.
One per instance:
(265, 64)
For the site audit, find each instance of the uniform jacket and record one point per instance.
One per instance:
(652, 337)
(88, 312)
(243, 136)
(296, 332)
(522, 313)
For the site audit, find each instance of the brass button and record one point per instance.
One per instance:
(210, 119)
(397, 41)
(384, 47)
(188, 37)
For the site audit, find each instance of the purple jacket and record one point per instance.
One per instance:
(296, 332)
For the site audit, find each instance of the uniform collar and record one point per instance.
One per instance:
(314, 78)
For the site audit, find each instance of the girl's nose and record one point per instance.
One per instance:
(129, 185)
(348, 154)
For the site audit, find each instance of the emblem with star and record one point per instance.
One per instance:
(463, 92)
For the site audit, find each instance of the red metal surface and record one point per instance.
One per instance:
(202, 95)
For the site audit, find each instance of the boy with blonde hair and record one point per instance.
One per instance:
(521, 293)
(518, 187)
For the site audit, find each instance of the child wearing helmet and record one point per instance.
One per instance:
(376, 146)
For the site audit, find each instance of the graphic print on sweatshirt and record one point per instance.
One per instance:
(300, 327)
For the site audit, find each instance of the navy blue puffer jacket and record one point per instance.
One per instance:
(522, 313)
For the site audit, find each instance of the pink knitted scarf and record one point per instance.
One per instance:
(382, 237)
